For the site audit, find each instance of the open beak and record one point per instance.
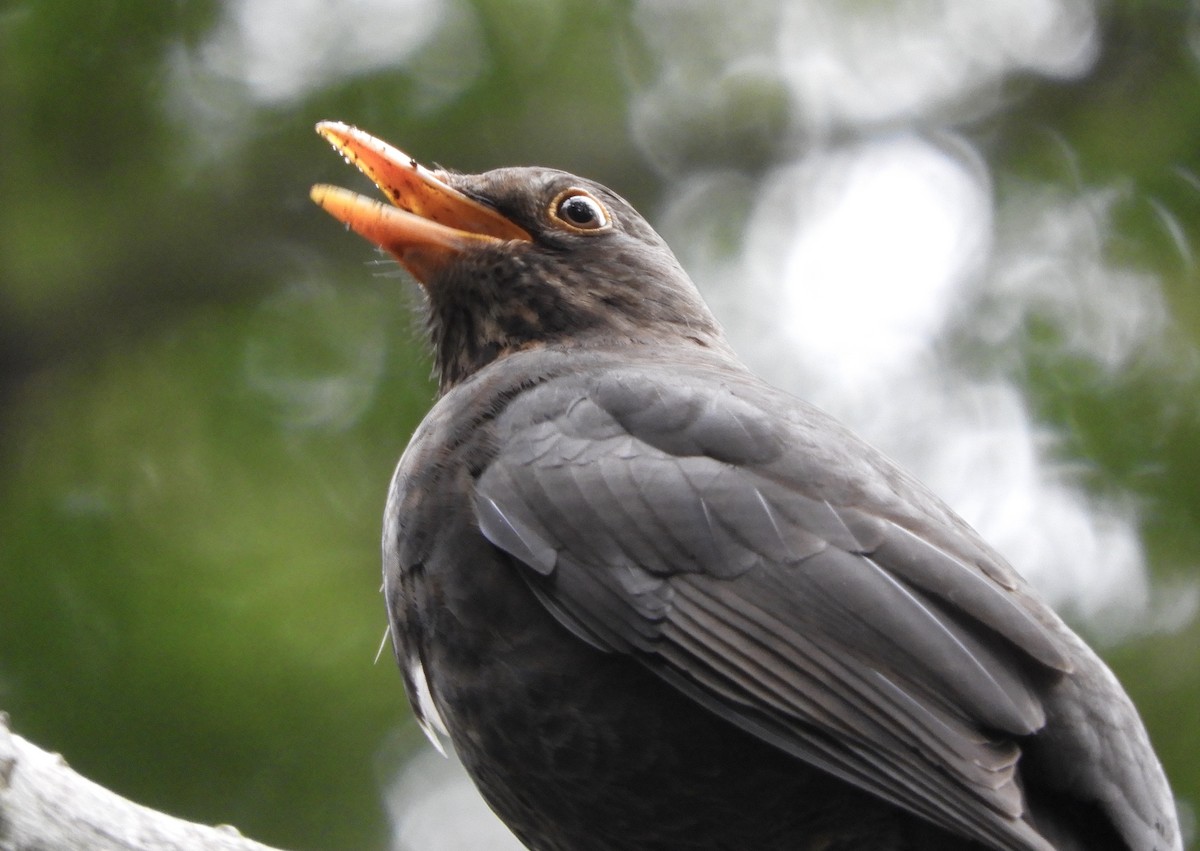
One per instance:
(431, 222)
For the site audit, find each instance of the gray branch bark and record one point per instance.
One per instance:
(45, 806)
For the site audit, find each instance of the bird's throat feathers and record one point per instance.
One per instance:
(490, 307)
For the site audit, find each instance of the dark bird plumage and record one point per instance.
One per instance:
(656, 603)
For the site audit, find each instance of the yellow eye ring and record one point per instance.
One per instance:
(579, 211)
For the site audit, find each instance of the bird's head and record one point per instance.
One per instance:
(518, 258)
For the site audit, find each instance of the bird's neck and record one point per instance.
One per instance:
(456, 360)
(477, 320)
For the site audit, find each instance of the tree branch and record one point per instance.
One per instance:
(45, 806)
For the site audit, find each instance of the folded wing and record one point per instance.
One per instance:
(816, 598)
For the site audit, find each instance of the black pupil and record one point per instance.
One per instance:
(579, 211)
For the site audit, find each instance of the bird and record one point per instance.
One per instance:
(656, 604)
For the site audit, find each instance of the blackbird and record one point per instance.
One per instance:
(656, 603)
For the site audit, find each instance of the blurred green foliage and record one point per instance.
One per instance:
(204, 385)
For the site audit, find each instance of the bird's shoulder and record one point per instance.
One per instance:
(701, 409)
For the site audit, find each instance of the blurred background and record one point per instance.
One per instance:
(969, 230)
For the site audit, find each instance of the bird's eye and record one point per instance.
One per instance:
(579, 211)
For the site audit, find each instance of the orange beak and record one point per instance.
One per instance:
(431, 222)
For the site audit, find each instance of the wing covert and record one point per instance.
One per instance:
(675, 524)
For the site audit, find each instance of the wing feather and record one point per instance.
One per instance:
(800, 597)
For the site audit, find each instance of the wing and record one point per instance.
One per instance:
(785, 576)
